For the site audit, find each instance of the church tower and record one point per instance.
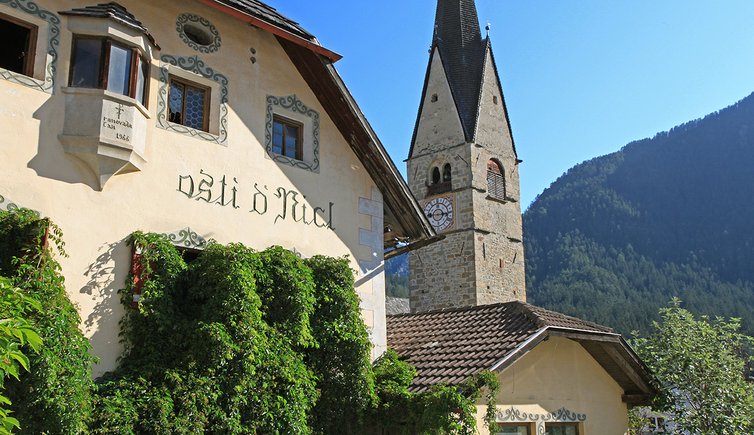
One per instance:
(463, 171)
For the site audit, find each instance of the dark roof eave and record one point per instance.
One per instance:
(272, 28)
(340, 105)
(610, 338)
(387, 177)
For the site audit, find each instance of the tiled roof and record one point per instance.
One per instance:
(462, 50)
(449, 346)
(268, 14)
(112, 11)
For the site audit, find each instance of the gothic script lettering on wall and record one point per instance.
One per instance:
(259, 199)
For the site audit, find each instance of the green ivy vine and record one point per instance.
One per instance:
(235, 341)
(54, 396)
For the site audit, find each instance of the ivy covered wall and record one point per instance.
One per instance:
(235, 341)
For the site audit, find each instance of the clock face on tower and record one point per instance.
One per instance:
(439, 211)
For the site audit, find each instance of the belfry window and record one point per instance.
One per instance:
(435, 175)
(495, 180)
(440, 181)
(19, 40)
(103, 63)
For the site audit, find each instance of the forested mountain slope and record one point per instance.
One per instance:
(616, 237)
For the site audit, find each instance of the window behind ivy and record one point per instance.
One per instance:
(513, 429)
(19, 40)
(562, 429)
(495, 180)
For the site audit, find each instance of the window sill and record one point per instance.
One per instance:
(500, 200)
(105, 94)
(192, 132)
(296, 163)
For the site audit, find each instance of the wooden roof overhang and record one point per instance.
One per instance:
(610, 351)
(404, 220)
(406, 227)
(310, 44)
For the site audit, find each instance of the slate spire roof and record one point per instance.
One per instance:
(458, 38)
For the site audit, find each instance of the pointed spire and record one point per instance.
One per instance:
(459, 39)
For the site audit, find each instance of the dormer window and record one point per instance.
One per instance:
(103, 63)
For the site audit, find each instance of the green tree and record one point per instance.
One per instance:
(700, 367)
(16, 333)
(54, 396)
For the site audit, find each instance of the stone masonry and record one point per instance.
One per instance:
(481, 259)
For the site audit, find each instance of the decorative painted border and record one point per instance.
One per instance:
(292, 103)
(186, 238)
(562, 415)
(196, 66)
(53, 41)
(202, 22)
(7, 204)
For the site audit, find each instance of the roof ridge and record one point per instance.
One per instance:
(565, 316)
(457, 309)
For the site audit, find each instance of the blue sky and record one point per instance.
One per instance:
(581, 78)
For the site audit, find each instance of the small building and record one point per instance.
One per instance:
(198, 119)
(558, 375)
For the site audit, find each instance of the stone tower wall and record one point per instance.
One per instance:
(481, 260)
(499, 254)
(443, 274)
(440, 125)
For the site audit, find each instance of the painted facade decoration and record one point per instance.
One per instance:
(198, 33)
(187, 239)
(294, 108)
(102, 159)
(539, 421)
(193, 65)
(45, 80)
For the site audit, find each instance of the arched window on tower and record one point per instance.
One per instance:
(435, 175)
(495, 180)
(440, 182)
